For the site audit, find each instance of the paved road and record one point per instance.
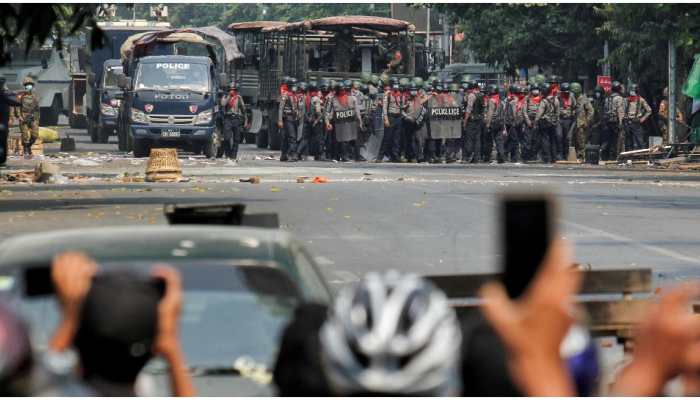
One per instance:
(420, 218)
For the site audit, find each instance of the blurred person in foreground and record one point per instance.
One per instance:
(532, 328)
(117, 322)
(391, 335)
(24, 373)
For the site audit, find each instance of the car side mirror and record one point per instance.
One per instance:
(223, 80)
(91, 79)
(122, 82)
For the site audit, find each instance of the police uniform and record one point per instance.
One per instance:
(636, 110)
(288, 116)
(514, 127)
(414, 108)
(316, 122)
(611, 133)
(234, 118)
(474, 119)
(531, 135)
(599, 117)
(344, 117)
(391, 145)
(361, 141)
(584, 117)
(494, 125)
(567, 111)
(547, 119)
(28, 114)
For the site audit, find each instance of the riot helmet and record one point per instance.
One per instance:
(492, 89)
(303, 86)
(634, 89)
(616, 87)
(575, 88)
(313, 86)
(565, 87)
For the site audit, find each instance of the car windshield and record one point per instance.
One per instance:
(230, 313)
(172, 76)
(110, 76)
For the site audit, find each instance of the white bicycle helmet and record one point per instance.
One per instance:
(392, 335)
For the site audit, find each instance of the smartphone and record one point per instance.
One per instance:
(526, 232)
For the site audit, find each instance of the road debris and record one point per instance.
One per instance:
(163, 166)
(320, 179)
(252, 179)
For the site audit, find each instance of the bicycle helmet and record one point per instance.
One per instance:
(392, 335)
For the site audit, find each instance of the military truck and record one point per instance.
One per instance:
(52, 76)
(88, 69)
(326, 48)
(172, 82)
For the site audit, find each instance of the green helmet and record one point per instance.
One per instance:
(403, 81)
(576, 88)
(384, 78)
(334, 84)
(433, 79)
(454, 87)
(356, 84)
(418, 81)
(539, 79)
(466, 78)
(365, 77)
(374, 79)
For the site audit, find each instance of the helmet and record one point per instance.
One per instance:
(293, 87)
(333, 84)
(599, 89)
(374, 79)
(235, 85)
(433, 79)
(28, 80)
(454, 87)
(403, 82)
(418, 80)
(313, 85)
(292, 81)
(534, 88)
(565, 87)
(286, 80)
(412, 87)
(355, 84)
(303, 86)
(465, 79)
(428, 87)
(539, 78)
(634, 88)
(365, 77)
(394, 81)
(492, 89)
(384, 78)
(324, 85)
(473, 85)
(513, 89)
(616, 87)
(364, 88)
(344, 84)
(575, 88)
(395, 86)
(544, 88)
(439, 87)
(392, 334)
(554, 79)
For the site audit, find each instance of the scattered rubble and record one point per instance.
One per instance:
(682, 157)
(252, 179)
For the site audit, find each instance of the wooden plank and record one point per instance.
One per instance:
(594, 282)
(603, 316)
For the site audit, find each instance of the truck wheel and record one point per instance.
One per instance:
(211, 147)
(141, 148)
(261, 139)
(102, 135)
(121, 141)
(274, 137)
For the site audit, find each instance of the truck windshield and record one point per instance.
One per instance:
(172, 76)
(110, 76)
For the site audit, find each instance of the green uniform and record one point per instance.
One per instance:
(584, 117)
(28, 114)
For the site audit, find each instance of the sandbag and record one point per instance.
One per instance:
(48, 135)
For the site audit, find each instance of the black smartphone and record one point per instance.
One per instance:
(526, 232)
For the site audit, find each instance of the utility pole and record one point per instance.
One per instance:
(427, 28)
(671, 92)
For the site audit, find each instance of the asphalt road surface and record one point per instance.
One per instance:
(424, 218)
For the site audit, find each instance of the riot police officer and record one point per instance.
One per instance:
(288, 121)
(344, 119)
(235, 118)
(612, 137)
(494, 124)
(546, 120)
(28, 114)
(529, 110)
(473, 123)
(393, 105)
(567, 111)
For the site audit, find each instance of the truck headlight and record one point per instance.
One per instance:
(139, 116)
(108, 110)
(204, 117)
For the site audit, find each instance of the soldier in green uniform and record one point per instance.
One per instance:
(583, 117)
(28, 115)
(288, 122)
(637, 111)
(599, 117)
(529, 110)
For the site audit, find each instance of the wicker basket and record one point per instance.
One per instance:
(163, 166)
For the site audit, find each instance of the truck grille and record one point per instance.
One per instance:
(171, 119)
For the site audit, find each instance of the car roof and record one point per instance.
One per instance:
(158, 243)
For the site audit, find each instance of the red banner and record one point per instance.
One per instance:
(605, 82)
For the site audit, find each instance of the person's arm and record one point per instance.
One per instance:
(385, 109)
(280, 111)
(667, 344)
(541, 110)
(526, 117)
(533, 326)
(71, 273)
(620, 106)
(359, 116)
(590, 112)
(167, 341)
(470, 107)
(489, 113)
(243, 109)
